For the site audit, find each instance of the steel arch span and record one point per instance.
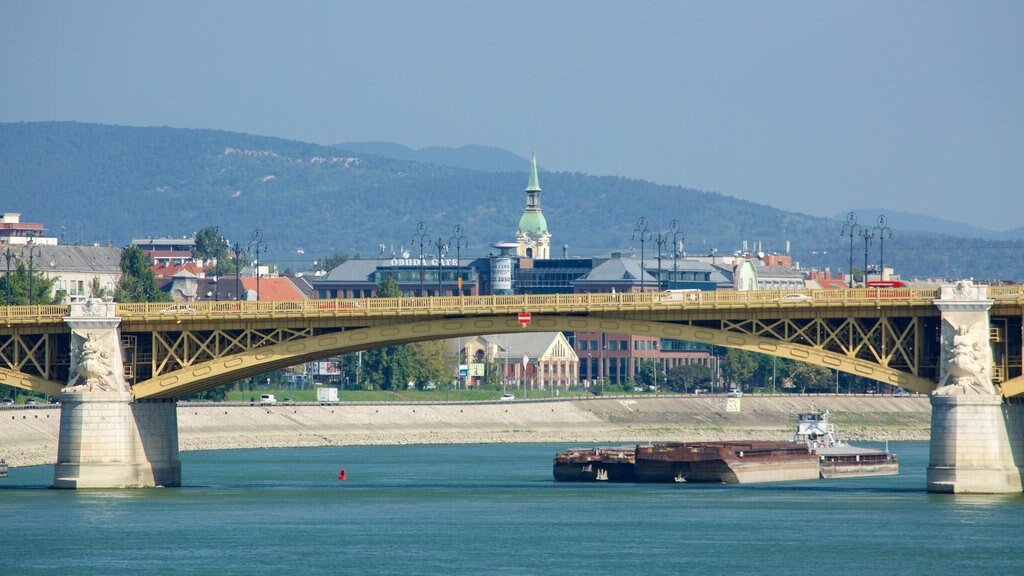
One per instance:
(219, 371)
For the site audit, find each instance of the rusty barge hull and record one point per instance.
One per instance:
(596, 465)
(697, 462)
(725, 462)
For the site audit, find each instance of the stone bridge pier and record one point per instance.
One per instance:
(977, 437)
(107, 439)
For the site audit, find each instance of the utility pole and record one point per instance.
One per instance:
(238, 268)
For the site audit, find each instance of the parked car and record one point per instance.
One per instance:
(268, 399)
(7, 401)
(31, 402)
(508, 397)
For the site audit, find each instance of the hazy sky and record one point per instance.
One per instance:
(811, 106)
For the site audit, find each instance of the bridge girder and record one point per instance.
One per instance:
(218, 371)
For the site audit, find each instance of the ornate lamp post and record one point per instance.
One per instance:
(238, 268)
(421, 234)
(661, 240)
(848, 229)
(7, 279)
(867, 234)
(677, 249)
(442, 249)
(883, 232)
(258, 245)
(33, 251)
(641, 233)
(458, 241)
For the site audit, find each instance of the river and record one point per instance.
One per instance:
(494, 509)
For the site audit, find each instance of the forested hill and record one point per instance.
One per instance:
(98, 183)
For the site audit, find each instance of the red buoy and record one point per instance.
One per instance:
(341, 474)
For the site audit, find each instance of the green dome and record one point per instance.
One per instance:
(533, 223)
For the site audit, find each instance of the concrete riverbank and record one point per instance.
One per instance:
(28, 436)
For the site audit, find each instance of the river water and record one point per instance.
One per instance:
(494, 509)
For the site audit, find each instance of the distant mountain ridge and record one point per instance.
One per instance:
(471, 156)
(106, 183)
(922, 223)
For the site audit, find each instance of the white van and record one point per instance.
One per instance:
(267, 399)
(685, 295)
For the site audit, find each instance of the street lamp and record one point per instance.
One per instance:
(258, 244)
(661, 240)
(867, 234)
(883, 233)
(238, 267)
(7, 279)
(641, 233)
(33, 251)
(848, 229)
(677, 249)
(442, 249)
(421, 234)
(458, 241)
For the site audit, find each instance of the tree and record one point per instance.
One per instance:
(97, 290)
(646, 375)
(137, 283)
(42, 287)
(211, 246)
(332, 261)
(390, 367)
(432, 362)
(809, 377)
(687, 377)
(738, 366)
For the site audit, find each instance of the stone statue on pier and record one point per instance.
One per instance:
(966, 358)
(94, 370)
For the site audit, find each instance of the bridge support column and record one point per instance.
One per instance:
(108, 440)
(974, 434)
(971, 450)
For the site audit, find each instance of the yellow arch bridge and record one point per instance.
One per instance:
(177, 349)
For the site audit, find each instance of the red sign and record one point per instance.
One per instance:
(524, 318)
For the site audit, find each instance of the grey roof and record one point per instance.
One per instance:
(621, 270)
(354, 269)
(533, 344)
(50, 259)
(777, 272)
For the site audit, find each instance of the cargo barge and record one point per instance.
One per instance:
(596, 465)
(815, 452)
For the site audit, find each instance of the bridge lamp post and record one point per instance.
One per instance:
(677, 249)
(258, 245)
(33, 251)
(7, 279)
(867, 234)
(661, 240)
(848, 229)
(641, 233)
(421, 234)
(458, 241)
(442, 250)
(883, 232)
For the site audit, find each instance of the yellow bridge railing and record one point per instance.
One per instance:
(539, 303)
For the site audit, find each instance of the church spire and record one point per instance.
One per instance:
(533, 236)
(534, 184)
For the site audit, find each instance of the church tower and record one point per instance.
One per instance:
(533, 237)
